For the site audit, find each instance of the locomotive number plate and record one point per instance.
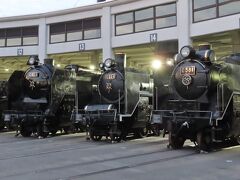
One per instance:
(110, 76)
(190, 70)
(33, 74)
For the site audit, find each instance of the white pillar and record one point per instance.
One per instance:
(106, 31)
(184, 12)
(42, 40)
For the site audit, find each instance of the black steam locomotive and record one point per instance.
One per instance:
(203, 103)
(42, 98)
(3, 101)
(123, 96)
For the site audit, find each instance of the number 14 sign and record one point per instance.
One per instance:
(153, 37)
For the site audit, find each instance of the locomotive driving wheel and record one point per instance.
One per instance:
(115, 134)
(175, 142)
(94, 137)
(141, 132)
(204, 140)
(25, 132)
(41, 132)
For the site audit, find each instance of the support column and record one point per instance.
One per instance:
(236, 41)
(184, 11)
(106, 31)
(95, 59)
(42, 40)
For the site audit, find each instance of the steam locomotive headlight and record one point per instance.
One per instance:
(33, 60)
(109, 63)
(101, 65)
(187, 51)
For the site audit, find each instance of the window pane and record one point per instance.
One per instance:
(144, 14)
(2, 33)
(90, 34)
(203, 3)
(30, 31)
(14, 42)
(2, 42)
(124, 18)
(125, 29)
(143, 26)
(205, 14)
(14, 32)
(30, 40)
(230, 8)
(74, 36)
(74, 26)
(57, 38)
(166, 22)
(57, 28)
(165, 10)
(92, 23)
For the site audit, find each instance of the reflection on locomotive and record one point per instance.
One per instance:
(203, 99)
(122, 104)
(42, 98)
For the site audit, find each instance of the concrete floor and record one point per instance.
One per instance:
(72, 157)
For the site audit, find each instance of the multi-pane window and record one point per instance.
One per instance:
(124, 23)
(210, 9)
(144, 19)
(21, 36)
(30, 35)
(57, 32)
(92, 28)
(75, 30)
(14, 37)
(156, 17)
(166, 15)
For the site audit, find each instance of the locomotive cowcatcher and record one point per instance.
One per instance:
(121, 106)
(40, 99)
(203, 104)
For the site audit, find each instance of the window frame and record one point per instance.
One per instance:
(82, 30)
(21, 36)
(154, 18)
(216, 5)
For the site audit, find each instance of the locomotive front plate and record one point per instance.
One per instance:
(32, 74)
(188, 70)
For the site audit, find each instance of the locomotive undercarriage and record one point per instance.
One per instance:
(203, 127)
(108, 123)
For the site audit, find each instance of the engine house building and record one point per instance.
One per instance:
(143, 29)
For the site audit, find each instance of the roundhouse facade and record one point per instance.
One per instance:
(122, 26)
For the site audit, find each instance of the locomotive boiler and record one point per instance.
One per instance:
(123, 98)
(203, 103)
(41, 99)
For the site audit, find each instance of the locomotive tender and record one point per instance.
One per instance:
(203, 103)
(123, 97)
(42, 98)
